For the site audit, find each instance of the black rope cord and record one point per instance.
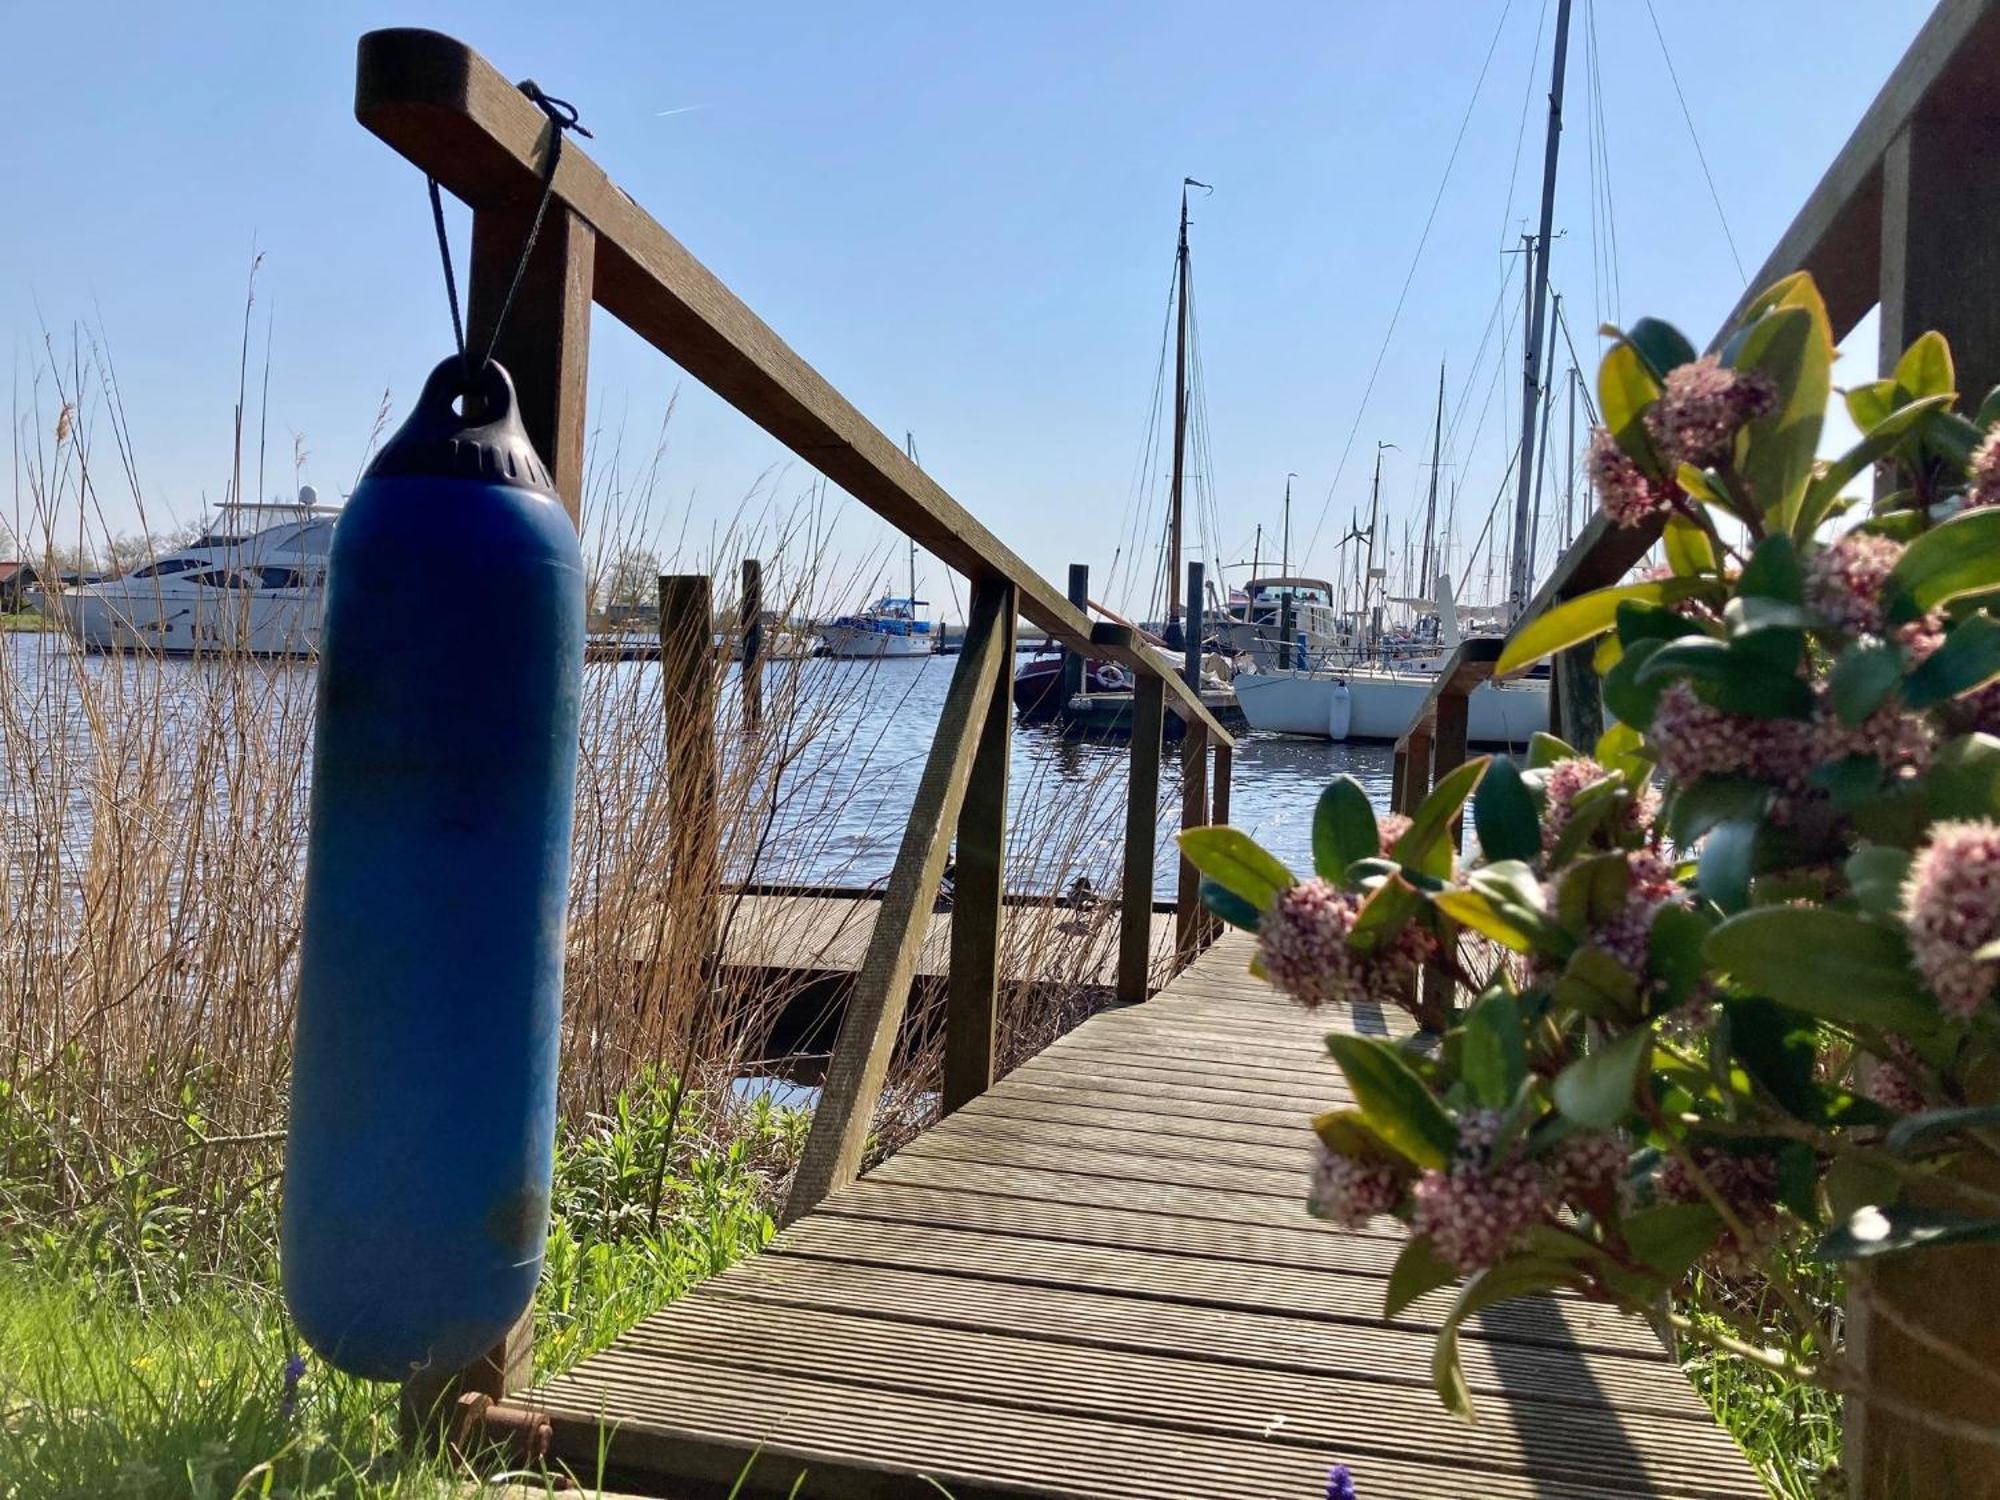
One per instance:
(563, 115)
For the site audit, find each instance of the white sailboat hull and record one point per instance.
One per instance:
(1380, 706)
(858, 642)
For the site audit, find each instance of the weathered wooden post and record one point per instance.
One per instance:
(687, 699)
(1142, 819)
(972, 996)
(1194, 783)
(1072, 662)
(750, 623)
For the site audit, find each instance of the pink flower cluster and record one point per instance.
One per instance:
(1587, 1167)
(1985, 487)
(1747, 1184)
(1693, 739)
(1892, 1081)
(1348, 1191)
(1844, 581)
(1477, 1213)
(1392, 827)
(1573, 775)
(1702, 405)
(1903, 741)
(1951, 908)
(1623, 490)
(1302, 942)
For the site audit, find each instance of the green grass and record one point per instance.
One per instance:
(125, 1373)
(26, 619)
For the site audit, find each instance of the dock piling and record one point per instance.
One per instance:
(750, 619)
(687, 700)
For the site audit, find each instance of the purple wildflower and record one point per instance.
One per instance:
(288, 1399)
(1339, 1484)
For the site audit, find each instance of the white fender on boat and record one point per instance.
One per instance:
(1340, 709)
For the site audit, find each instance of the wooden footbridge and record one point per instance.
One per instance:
(1094, 1278)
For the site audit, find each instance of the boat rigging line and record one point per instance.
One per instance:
(1700, 155)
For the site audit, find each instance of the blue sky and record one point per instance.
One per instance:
(962, 215)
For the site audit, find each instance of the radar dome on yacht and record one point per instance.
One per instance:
(308, 495)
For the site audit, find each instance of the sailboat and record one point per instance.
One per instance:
(1377, 699)
(891, 626)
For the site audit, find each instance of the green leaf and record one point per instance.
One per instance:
(1950, 561)
(1663, 347)
(1870, 405)
(1856, 1179)
(1964, 778)
(1713, 800)
(1229, 906)
(1926, 370)
(1580, 619)
(1398, 1107)
(1478, 910)
(1773, 572)
(1595, 984)
(1968, 659)
(1418, 1272)
(1778, 1047)
(1631, 699)
(1852, 782)
(1625, 388)
(1690, 553)
(1427, 844)
(1596, 1090)
(1503, 813)
(1792, 344)
(1728, 855)
(1882, 437)
(1673, 954)
(1592, 891)
(1865, 675)
(1878, 1230)
(1876, 875)
(1650, 622)
(1622, 748)
(1828, 963)
(1729, 678)
(1544, 750)
(1926, 1126)
(1671, 1237)
(1344, 829)
(1346, 1133)
(1492, 1057)
(1519, 1277)
(1238, 863)
(1385, 911)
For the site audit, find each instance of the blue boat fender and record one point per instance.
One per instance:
(423, 1099)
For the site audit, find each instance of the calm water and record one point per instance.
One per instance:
(847, 792)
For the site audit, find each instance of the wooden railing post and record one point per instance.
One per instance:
(687, 699)
(1142, 828)
(839, 1135)
(750, 622)
(544, 345)
(1413, 758)
(972, 995)
(1072, 661)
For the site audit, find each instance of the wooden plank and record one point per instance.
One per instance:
(1346, 1418)
(972, 997)
(1142, 805)
(1220, 1335)
(1555, 1322)
(846, 1108)
(673, 1419)
(447, 110)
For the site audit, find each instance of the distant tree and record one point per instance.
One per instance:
(633, 579)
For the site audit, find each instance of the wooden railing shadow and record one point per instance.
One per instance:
(451, 114)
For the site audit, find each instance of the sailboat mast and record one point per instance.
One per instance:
(1531, 353)
(1285, 563)
(1180, 428)
(1374, 509)
(910, 449)
(1431, 506)
(1569, 483)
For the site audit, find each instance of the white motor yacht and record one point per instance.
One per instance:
(252, 583)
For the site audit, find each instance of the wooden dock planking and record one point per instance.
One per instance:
(1098, 1280)
(825, 934)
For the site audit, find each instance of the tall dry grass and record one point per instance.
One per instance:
(152, 830)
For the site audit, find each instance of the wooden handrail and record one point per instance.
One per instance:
(451, 113)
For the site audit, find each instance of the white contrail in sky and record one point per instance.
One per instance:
(685, 109)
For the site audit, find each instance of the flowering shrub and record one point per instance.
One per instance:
(1724, 983)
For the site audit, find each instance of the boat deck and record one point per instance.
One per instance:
(1098, 1281)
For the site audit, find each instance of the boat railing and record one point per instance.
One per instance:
(1900, 221)
(452, 115)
